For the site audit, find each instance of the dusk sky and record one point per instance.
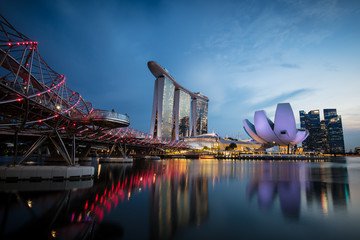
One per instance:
(244, 55)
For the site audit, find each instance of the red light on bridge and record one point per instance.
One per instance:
(63, 128)
(19, 99)
(9, 44)
(40, 121)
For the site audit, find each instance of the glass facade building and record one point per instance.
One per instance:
(311, 122)
(329, 114)
(176, 112)
(335, 135)
(163, 124)
(324, 136)
(184, 110)
(167, 125)
(200, 117)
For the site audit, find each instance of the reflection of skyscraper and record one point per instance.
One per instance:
(340, 191)
(199, 200)
(328, 191)
(177, 112)
(177, 203)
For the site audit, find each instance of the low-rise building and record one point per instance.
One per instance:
(213, 141)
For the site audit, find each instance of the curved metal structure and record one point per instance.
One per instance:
(35, 99)
(282, 132)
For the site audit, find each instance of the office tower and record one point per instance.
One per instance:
(311, 122)
(177, 112)
(303, 126)
(335, 135)
(335, 131)
(325, 135)
(329, 114)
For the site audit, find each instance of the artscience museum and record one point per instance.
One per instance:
(280, 132)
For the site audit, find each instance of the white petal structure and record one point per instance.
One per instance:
(282, 132)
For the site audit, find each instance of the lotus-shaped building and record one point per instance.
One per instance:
(280, 132)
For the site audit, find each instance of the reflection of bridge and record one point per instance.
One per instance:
(34, 99)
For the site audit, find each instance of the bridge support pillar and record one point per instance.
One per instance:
(122, 150)
(85, 152)
(35, 146)
(73, 150)
(62, 148)
(16, 142)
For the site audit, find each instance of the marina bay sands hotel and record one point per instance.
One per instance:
(177, 112)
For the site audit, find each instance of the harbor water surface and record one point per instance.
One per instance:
(190, 199)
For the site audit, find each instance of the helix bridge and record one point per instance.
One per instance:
(36, 101)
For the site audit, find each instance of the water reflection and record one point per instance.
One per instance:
(271, 180)
(176, 202)
(284, 181)
(180, 194)
(330, 185)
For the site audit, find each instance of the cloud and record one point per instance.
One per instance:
(281, 98)
(289, 65)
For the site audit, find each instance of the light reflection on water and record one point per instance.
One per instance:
(192, 199)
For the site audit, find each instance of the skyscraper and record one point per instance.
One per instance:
(177, 112)
(329, 114)
(311, 122)
(324, 136)
(335, 135)
(199, 117)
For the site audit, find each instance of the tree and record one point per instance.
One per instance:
(231, 147)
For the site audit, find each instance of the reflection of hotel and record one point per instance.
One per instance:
(177, 112)
(176, 204)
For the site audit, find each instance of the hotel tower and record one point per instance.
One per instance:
(177, 112)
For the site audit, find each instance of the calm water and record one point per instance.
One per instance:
(190, 199)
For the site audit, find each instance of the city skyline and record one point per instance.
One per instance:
(244, 56)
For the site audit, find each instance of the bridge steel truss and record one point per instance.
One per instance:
(34, 99)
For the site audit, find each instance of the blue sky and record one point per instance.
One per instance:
(244, 55)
